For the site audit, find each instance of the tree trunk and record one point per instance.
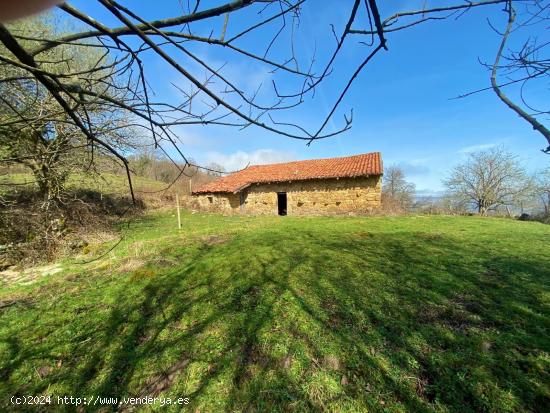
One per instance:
(50, 184)
(481, 208)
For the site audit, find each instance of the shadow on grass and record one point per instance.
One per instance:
(299, 321)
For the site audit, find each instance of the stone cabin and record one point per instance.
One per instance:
(348, 185)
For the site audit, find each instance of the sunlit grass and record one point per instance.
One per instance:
(294, 314)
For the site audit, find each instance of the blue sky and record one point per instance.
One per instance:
(402, 101)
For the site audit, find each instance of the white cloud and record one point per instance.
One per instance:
(240, 159)
(476, 148)
(190, 138)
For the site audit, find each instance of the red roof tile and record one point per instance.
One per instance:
(346, 167)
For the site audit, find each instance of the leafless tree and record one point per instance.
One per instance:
(396, 191)
(542, 189)
(488, 180)
(209, 95)
(34, 132)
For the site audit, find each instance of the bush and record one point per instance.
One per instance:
(30, 233)
(540, 217)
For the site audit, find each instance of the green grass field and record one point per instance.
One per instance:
(250, 314)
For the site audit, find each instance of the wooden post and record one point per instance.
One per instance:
(178, 208)
(190, 183)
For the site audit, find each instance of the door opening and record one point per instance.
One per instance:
(241, 202)
(281, 203)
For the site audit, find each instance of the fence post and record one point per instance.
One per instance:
(178, 208)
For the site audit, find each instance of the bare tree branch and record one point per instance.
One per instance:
(498, 91)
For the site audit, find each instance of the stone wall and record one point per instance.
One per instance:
(224, 203)
(312, 197)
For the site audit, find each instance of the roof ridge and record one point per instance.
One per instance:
(365, 164)
(311, 160)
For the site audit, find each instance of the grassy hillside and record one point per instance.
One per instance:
(292, 314)
(106, 183)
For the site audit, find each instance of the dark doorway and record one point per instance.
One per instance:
(241, 201)
(281, 203)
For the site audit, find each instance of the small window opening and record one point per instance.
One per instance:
(210, 199)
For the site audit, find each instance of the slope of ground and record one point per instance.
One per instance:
(32, 233)
(294, 314)
(109, 184)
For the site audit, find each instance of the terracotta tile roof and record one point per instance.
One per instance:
(346, 167)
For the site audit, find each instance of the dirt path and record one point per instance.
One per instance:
(27, 276)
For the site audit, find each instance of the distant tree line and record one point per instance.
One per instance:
(181, 178)
(487, 182)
